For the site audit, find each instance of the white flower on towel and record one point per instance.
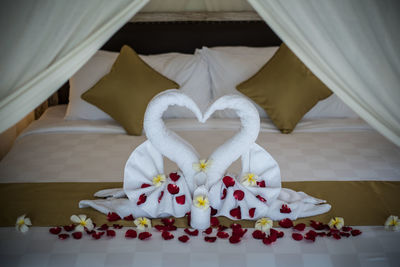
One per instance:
(201, 202)
(392, 223)
(249, 179)
(82, 222)
(23, 223)
(159, 179)
(336, 222)
(264, 224)
(202, 166)
(142, 223)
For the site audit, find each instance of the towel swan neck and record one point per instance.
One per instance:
(232, 149)
(166, 141)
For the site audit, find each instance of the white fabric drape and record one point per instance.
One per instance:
(353, 46)
(45, 41)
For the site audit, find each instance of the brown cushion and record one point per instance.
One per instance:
(285, 88)
(126, 90)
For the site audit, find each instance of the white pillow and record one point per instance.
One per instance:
(189, 71)
(229, 66)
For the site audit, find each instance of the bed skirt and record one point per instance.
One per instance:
(51, 204)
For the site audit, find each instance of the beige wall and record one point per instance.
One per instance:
(7, 138)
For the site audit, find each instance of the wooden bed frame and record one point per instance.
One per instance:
(173, 35)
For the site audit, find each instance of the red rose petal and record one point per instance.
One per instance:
(336, 236)
(174, 176)
(280, 234)
(270, 239)
(167, 235)
(144, 235)
(131, 233)
(142, 199)
(297, 236)
(63, 236)
(236, 213)
(69, 228)
(224, 193)
(257, 234)
(160, 227)
(77, 235)
(160, 197)
(261, 198)
(89, 232)
(300, 227)
(145, 185)
(210, 239)
(183, 238)
(228, 181)
(103, 227)
(214, 221)
(310, 235)
(221, 228)
(346, 228)
(55, 230)
(234, 239)
(192, 233)
(117, 226)
(208, 231)
(173, 189)
(168, 221)
(355, 232)
(129, 218)
(273, 234)
(110, 233)
(180, 200)
(267, 241)
(238, 232)
(285, 209)
(236, 226)
(345, 234)
(261, 183)
(322, 234)
(97, 235)
(317, 225)
(286, 223)
(238, 194)
(170, 227)
(251, 212)
(223, 235)
(213, 211)
(112, 216)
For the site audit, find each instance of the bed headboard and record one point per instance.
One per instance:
(184, 32)
(162, 37)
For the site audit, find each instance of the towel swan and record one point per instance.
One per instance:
(231, 196)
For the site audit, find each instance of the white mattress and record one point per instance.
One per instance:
(55, 150)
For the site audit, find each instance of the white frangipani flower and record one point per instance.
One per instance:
(158, 179)
(142, 223)
(23, 224)
(264, 224)
(202, 166)
(82, 222)
(336, 222)
(201, 202)
(392, 223)
(249, 179)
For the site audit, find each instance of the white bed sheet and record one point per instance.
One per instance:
(54, 150)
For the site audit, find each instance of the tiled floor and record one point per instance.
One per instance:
(375, 247)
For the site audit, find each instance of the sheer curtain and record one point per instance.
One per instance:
(353, 46)
(45, 41)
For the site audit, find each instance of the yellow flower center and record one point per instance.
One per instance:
(83, 223)
(21, 222)
(157, 180)
(203, 165)
(393, 222)
(143, 222)
(250, 177)
(263, 222)
(201, 202)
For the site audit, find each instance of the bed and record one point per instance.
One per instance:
(56, 162)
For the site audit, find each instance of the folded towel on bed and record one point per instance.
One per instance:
(255, 193)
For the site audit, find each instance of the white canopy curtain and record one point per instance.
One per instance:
(45, 41)
(353, 46)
